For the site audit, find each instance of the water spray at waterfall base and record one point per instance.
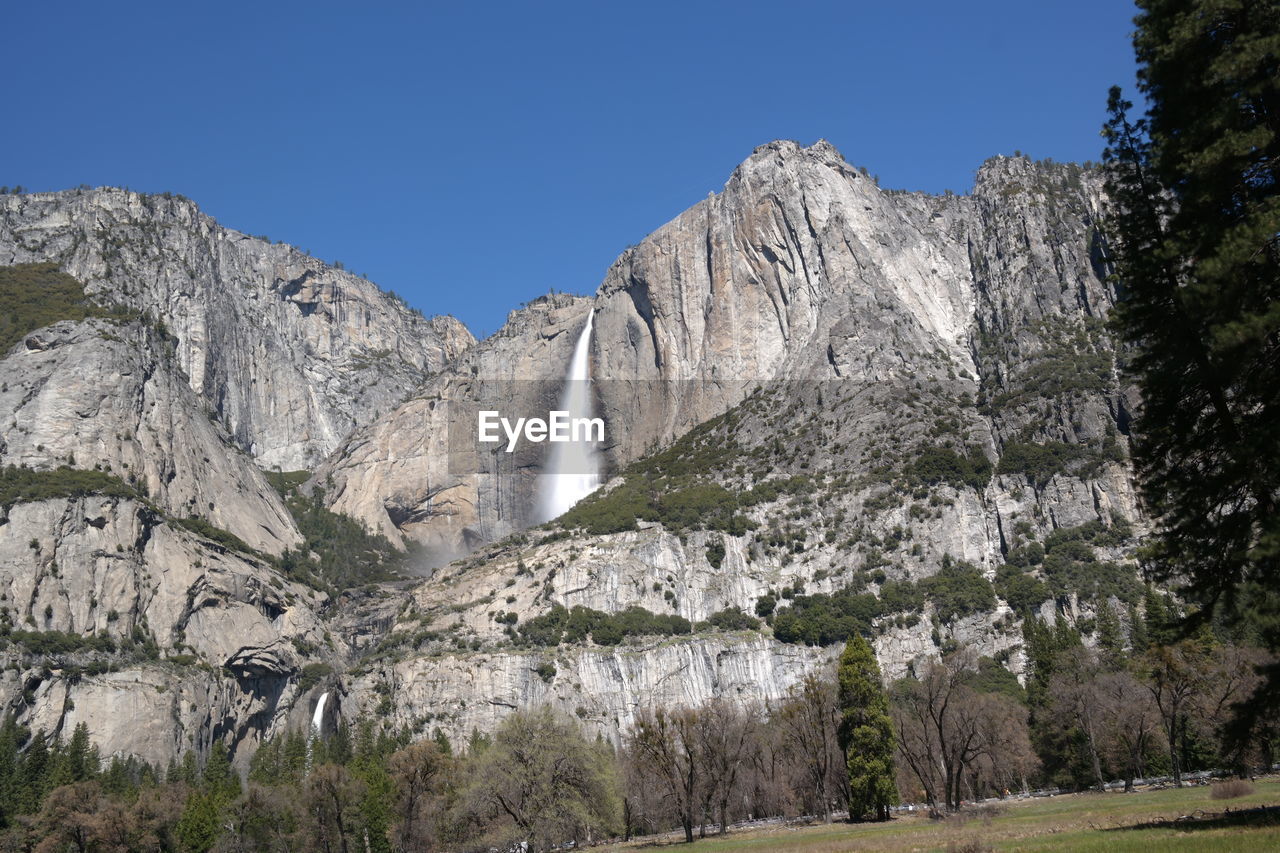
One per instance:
(573, 471)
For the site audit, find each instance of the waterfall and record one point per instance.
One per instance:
(317, 722)
(573, 471)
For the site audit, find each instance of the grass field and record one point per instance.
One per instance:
(1093, 823)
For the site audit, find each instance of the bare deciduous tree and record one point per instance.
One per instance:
(1130, 723)
(420, 772)
(553, 784)
(663, 749)
(331, 797)
(950, 735)
(809, 721)
(727, 734)
(1075, 702)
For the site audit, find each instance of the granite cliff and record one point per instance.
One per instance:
(289, 352)
(829, 405)
(889, 386)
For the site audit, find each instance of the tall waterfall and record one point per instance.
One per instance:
(317, 722)
(573, 471)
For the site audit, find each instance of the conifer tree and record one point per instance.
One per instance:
(865, 732)
(33, 780)
(1110, 639)
(198, 827)
(219, 779)
(11, 739)
(442, 741)
(188, 770)
(1194, 185)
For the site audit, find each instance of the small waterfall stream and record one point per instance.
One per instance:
(573, 471)
(317, 724)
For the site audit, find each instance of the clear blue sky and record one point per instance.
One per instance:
(472, 156)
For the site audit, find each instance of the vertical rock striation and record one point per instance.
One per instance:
(289, 352)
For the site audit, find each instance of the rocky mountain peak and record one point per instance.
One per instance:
(290, 352)
(830, 405)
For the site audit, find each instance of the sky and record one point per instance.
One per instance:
(473, 156)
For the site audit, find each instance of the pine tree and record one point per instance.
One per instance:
(1110, 637)
(33, 780)
(219, 780)
(1161, 618)
(188, 770)
(337, 747)
(265, 766)
(1195, 197)
(198, 827)
(376, 806)
(1045, 645)
(442, 741)
(11, 739)
(78, 757)
(1139, 637)
(294, 756)
(117, 779)
(865, 732)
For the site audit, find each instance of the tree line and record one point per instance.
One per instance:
(1136, 701)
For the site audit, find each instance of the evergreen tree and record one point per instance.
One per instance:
(11, 739)
(1045, 646)
(294, 756)
(199, 825)
(865, 732)
(1194, 187)
(188, 770)
(117, 780)
(371, 749)
(78, 758)
(33, 784)
(1139, 638)
(1161, 618)
(336, 748)
(442, 741)
(1110, 637)
(265, 766)
(219, 780)
(376, 806)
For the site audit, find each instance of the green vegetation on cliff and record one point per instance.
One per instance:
(561, 625)
(26, 485)
(339, 553)
(957, 590)
(33, 296)
(679, 488)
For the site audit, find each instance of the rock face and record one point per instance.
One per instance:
(289, 352)
(604, 688)
(801, 270)
(417, 471)
(111, 396)
(811, 384)
(847, 335)
(188, 641)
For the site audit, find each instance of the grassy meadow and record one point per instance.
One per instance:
(1162, 820)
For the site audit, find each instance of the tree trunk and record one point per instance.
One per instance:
(1097, 765)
